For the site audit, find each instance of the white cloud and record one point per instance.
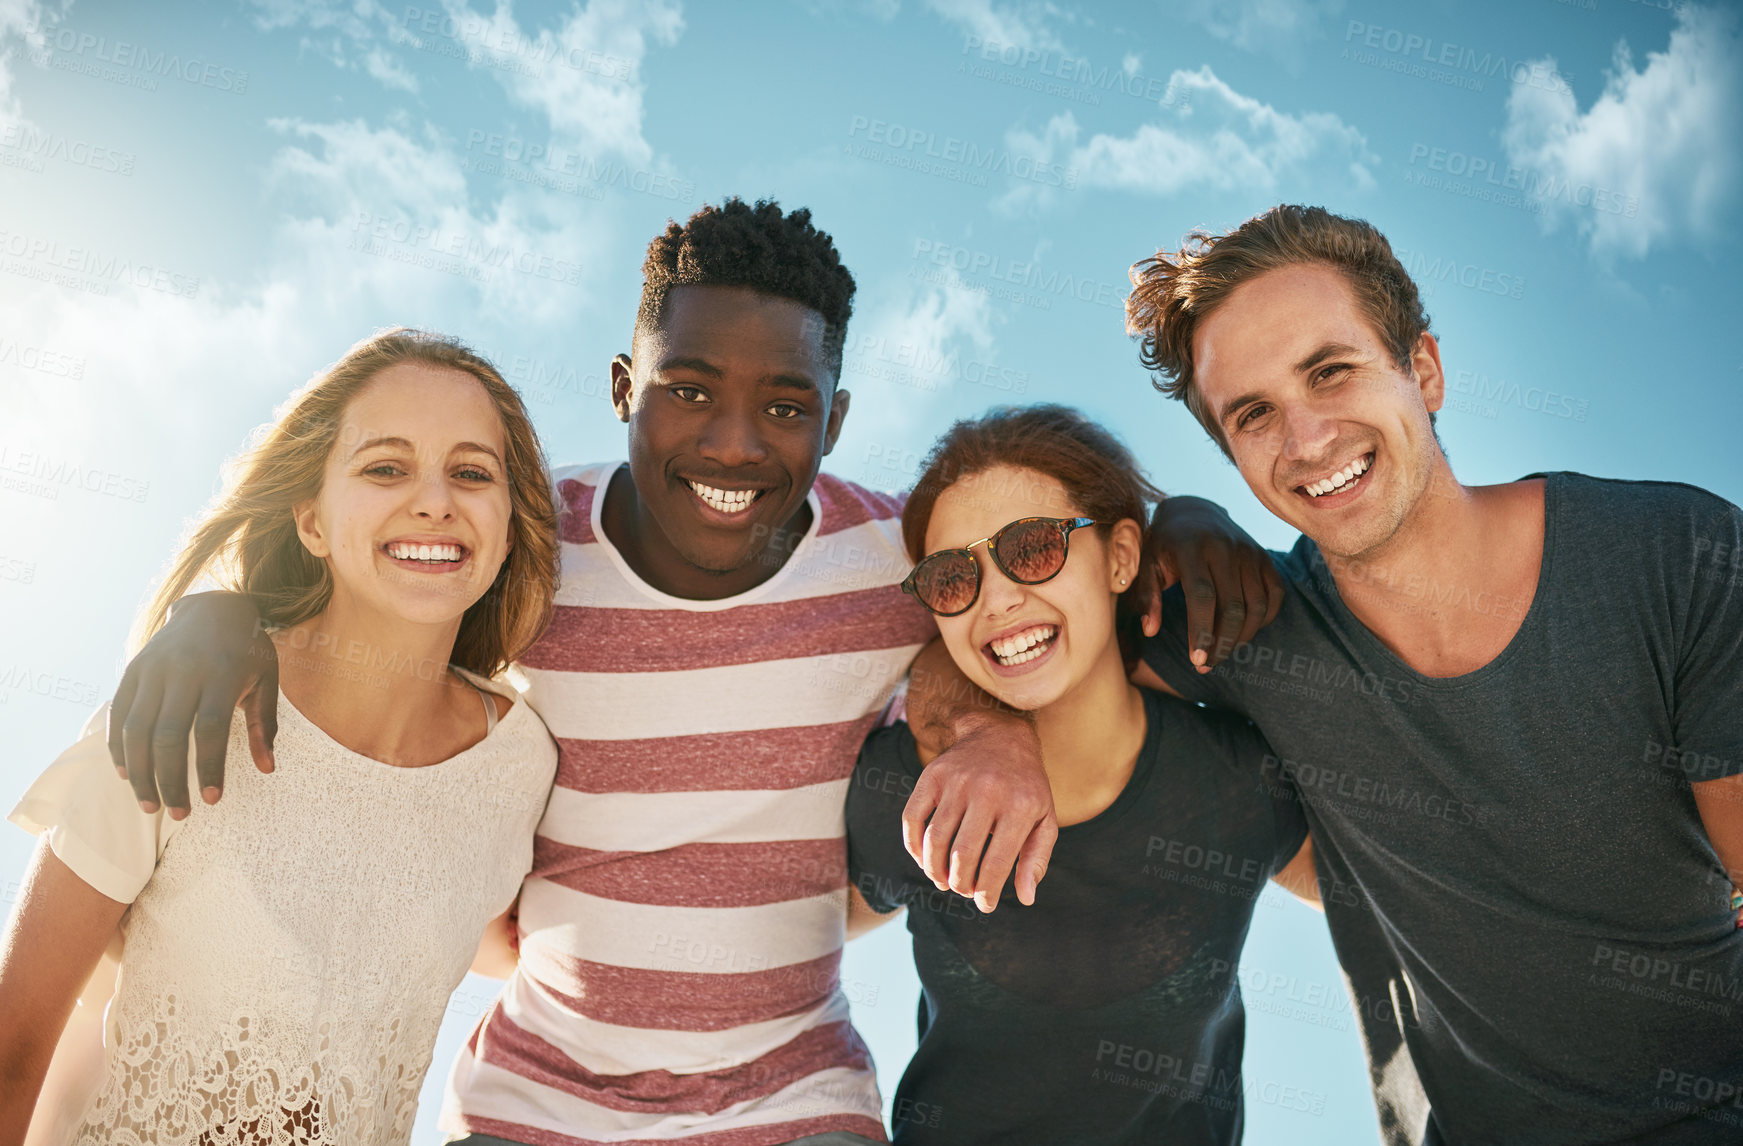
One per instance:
(389, 72)
(20, 28)
(1017, 25)
(1211, 137)
(585, 75)
(922, 342)
(1656, 158)
(1275, 27)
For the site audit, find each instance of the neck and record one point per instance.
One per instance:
(375, 683)
(1433, 541)
(1090, 739)
(645, 548)
(1447, 591)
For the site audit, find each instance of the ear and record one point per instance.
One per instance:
(1425, 364)
(1125, 552)
(622, 382)
(309, 529)
(837, 415)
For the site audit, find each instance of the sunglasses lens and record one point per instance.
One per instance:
(947, 582)
(1032, 551)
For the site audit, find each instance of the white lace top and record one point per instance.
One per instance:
(291, 949)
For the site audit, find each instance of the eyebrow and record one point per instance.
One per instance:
(402, 443)
(1327, 350)
(700, 365)
(1313, 358)
(784, 381)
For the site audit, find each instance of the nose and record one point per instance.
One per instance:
(998, 594)
(1307, 434)
(733, 437)
(433, 498)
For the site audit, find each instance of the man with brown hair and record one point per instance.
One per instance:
(1514, 713)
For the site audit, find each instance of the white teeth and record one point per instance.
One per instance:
(725, 500)
(1340, 479)
(1023, 646)
(401, 551)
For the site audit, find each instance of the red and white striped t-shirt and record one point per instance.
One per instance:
(681, 929)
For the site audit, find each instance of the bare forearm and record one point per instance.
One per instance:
(944, 705)
(1720, 804)
(56, 936)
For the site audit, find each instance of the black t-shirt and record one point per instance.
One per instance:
(1535, 930)
(1110, 1011)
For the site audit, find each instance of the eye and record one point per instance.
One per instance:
(1327, 372)
(474, 473)
(693, 395)
(786, 410)
(1250, 414)
(384, 469)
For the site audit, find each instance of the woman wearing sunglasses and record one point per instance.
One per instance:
(1109, 1011)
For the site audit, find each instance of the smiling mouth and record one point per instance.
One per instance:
(1023, 646)
(437, 555)
(1342, 481)
(725, 500)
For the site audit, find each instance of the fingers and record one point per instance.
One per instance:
(966, 849)
(1254, 591)
(136, 743)
(1149, 589)
(1032, 861)
(922, 802)
(935, 847)
(260, 709)
(995, 866)
(118, 710)
(169, 744)
(261, 703)
(1273, 591)
(1231, 614)
(1200, 618)
(211, 739)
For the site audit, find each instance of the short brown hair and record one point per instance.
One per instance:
(1172, 293)
(1099, 474)
(247, 542)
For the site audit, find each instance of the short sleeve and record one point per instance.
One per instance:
(1165, 653)
(1708, 713)
(91, 820)
(878, 863)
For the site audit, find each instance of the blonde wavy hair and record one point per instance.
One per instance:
(247, 541)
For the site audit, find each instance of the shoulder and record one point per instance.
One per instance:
(1227, 736)
(846, 504)
(889, 761)
(582, 473)
(574, 488)
(1636, 502)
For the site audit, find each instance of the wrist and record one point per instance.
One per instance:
(992, 722)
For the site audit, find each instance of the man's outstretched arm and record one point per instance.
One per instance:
(982, 807)
(211, 654)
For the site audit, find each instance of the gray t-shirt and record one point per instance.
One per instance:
(1535, 930)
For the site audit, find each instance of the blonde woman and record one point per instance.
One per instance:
(287, 953)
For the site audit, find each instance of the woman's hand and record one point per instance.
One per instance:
(1232, 589)
(209, 656)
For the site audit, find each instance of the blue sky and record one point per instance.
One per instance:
(204, 207)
